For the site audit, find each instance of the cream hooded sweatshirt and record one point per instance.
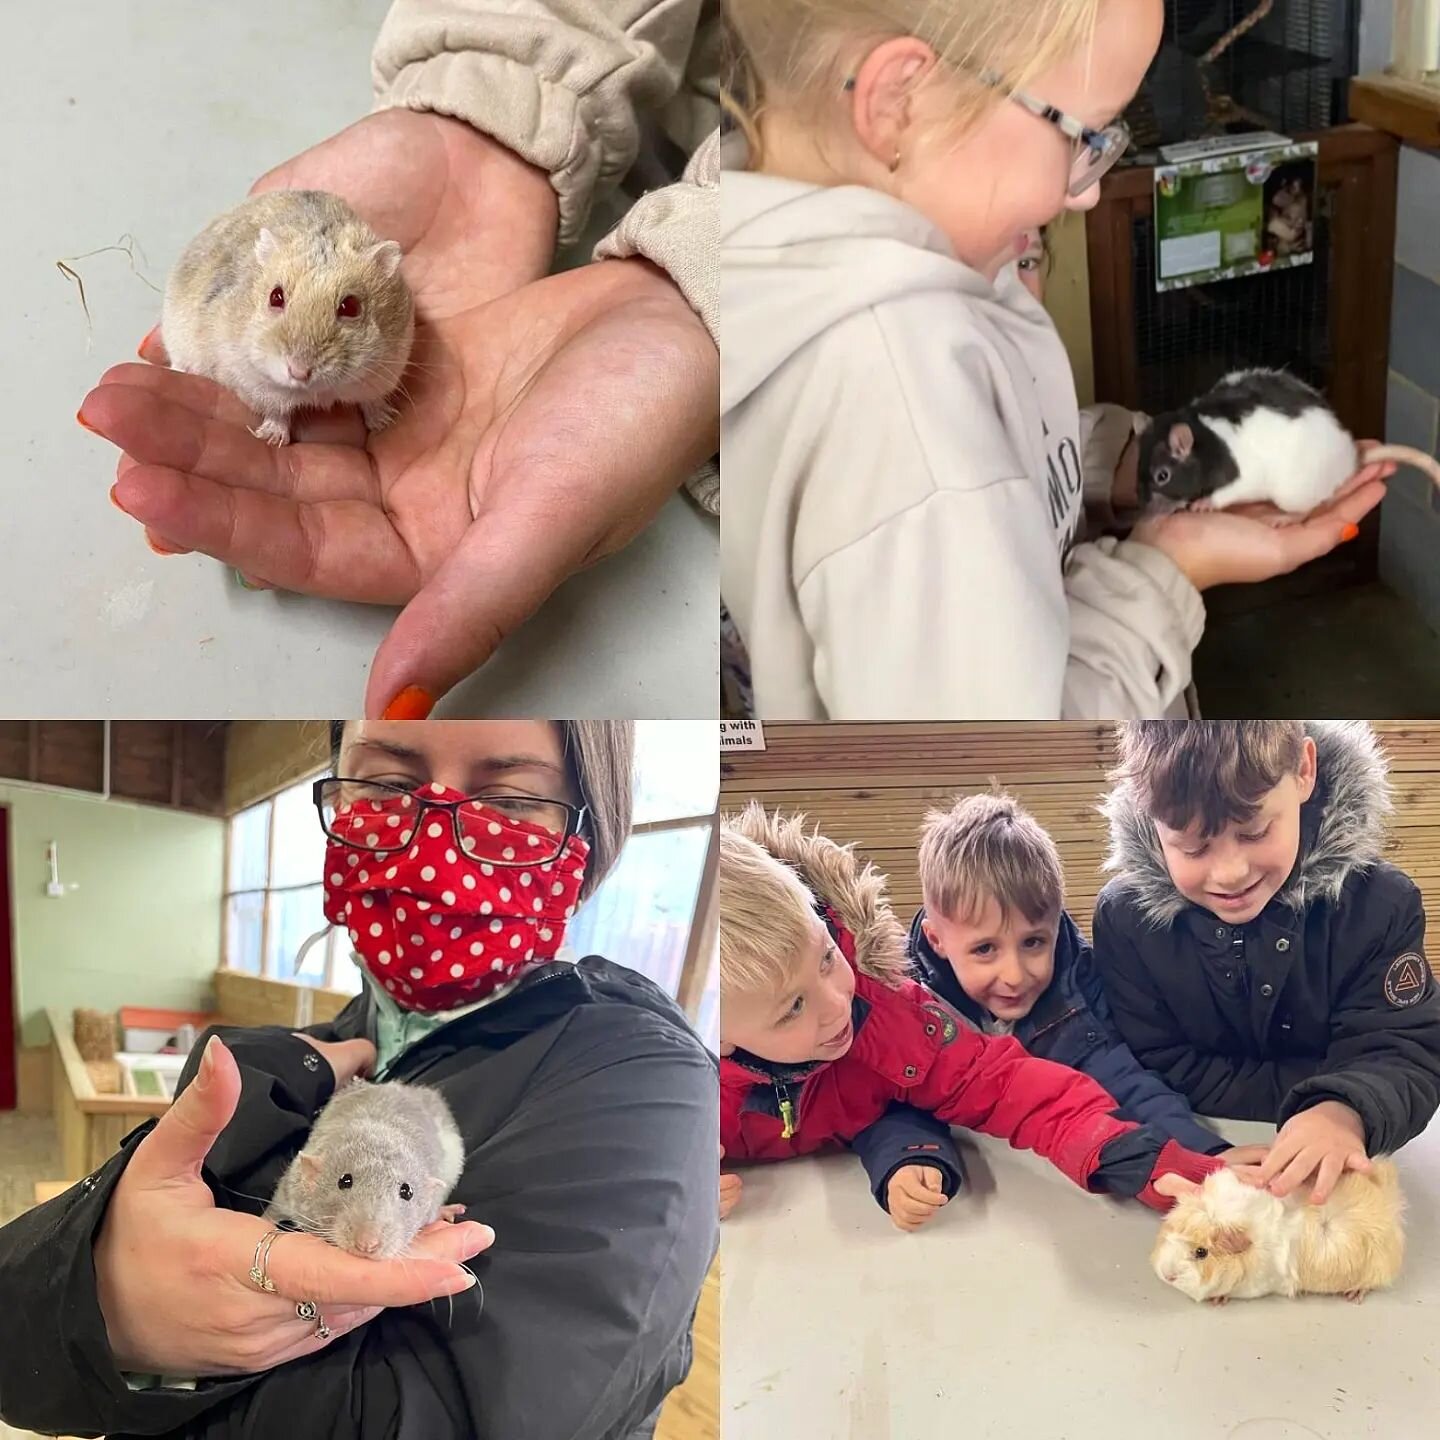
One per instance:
(904, 483)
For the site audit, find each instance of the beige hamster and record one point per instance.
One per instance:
(291, 300)
(1226, 1240)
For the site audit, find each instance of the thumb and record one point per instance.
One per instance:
(930, 1177)
(177, 1146)
(152, 348)
(508, 564)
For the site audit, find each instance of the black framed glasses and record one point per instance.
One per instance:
(375, 816)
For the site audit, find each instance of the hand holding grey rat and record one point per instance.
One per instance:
(291, 300)
(376, 1170)
(1259, 435)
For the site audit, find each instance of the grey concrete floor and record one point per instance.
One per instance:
(1360, 653)
(148, 117)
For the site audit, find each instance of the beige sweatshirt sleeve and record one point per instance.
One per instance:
(564, 83)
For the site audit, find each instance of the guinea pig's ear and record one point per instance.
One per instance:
(265, 245)
(1182, 440)
(387, 256)
(1231, 1240)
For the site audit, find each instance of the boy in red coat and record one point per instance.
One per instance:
(821, 1033)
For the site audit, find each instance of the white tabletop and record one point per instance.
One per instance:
(1028, 1309)
(150, 117)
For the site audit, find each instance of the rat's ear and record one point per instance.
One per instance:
(1182, 440)
(265, 245)
(1231, 1240)
(309, 1167)
(387, 256)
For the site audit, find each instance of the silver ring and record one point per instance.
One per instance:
(322, 1331)
(259, 1266)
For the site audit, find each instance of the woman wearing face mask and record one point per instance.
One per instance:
(585, 1102)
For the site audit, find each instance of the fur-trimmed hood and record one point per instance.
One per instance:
(1342, 827)
(853, 888)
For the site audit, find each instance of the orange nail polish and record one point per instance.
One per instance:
(81, 420)
(412, 703)
(163, 549)
(115, 502)
(1349, 533)
(140, 348)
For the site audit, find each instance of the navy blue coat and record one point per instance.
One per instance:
(1071, 1024)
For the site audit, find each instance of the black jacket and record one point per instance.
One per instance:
(589, 1113)
(1326, 995)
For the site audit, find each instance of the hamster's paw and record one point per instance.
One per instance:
(1356, 1296)
(273, 431)
(1218, 1300)
(378, 414)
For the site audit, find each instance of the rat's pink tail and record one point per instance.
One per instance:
(1404, 455)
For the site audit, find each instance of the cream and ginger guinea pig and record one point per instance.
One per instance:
(291, 300)
(1226, 1240)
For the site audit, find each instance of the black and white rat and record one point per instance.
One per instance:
(291, 300)
(376, 1169)
(1259, 435)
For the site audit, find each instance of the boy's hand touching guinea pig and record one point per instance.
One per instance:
(547, 425)
(914, 1195)
(1323, 1141)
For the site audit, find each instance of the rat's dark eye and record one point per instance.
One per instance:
(349, 307)
(1162, 475)
(406, 1193)
(277, 298)
(1201, 1252)
(346, 1182)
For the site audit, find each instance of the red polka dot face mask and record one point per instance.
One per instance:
(444, 918)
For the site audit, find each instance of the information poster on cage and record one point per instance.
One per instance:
(1219, 216)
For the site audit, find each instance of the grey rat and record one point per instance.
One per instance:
(1259, 435)
(291, 300)
(376, 1169)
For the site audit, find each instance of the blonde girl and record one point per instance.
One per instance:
(906, 480)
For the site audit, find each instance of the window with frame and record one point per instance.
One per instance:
(655, 912)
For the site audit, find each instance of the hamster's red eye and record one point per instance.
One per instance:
(406, 1193)
(277, 298)
(345, 1182)
(349, 307)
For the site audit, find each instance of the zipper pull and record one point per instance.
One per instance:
(787, 1112)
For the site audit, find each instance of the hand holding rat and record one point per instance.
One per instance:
(171, 1270)
(1323, 1141)
(1238, 546)
(915, 1194)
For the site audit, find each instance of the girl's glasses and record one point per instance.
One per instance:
(371, 815)
(1096, 151)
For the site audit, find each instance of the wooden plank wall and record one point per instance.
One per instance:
(872, 784)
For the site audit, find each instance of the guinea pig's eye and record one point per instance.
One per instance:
(1162, 475)
(1200, 1252)
(349, 307)
(346, 1182)
(406, 1193)
(277, 298)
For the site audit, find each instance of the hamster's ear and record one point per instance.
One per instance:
(1182, 440)
(265, 245)
(309, 1167)
(387, 256)
(1231, 1240)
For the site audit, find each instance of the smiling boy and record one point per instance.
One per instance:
(1256, 950)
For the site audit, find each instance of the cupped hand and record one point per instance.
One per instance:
(172, 1271)
(1244, 545)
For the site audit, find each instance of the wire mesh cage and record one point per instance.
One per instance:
(1228, 66)
(1188, 339)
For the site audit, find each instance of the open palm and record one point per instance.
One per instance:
(542, 427)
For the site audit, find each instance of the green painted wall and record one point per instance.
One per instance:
(143, 928)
